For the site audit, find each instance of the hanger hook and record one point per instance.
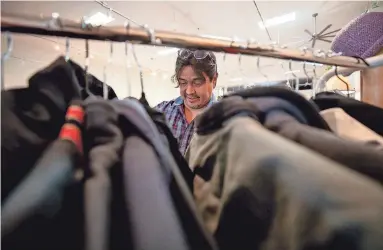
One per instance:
(287, 76)
(240, 56)
(104, 86)
(291, 70)
(259, 68)
(86, 68)
(231, 44)
(67, 49)
(152, 35)
(305, 71)
(347, 87)
(139, 68)
(294, 75)
(127, 27)
(5, 56)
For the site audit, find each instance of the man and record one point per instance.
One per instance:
(196, 77)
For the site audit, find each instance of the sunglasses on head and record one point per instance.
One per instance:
(198, 54)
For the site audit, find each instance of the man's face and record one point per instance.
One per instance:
(195, 90)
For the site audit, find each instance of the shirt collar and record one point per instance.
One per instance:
(179, 100)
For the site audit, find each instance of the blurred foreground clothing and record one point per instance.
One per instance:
(268, 177)
(367, 114)
(93, 195)
(32, 117)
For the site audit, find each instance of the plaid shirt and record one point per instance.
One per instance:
(182, 130)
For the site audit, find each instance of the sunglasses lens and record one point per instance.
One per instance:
(200, 54)
(184, 53)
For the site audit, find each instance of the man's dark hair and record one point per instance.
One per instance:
(208, 65)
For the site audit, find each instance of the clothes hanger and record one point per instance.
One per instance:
(85, 26)
(86, 68)
(5, 56)
(104, 86)
(143, 98)
(307, 76)
(287, 76)
(240, 66)
(153, 41)
(347, 87)
(259, 69)
(127, 69)
(127, 63)
(67, 49)
(295, 76)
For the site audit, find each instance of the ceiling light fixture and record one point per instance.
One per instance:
(98, 19)
(277, 20)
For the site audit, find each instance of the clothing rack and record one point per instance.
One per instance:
(375, 61)
(56, 26)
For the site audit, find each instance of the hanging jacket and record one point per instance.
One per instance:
(134, 119)
(154, 220)
(369, 115)
(290, 115)
(45, 210)
(258, 190)
(104, 141)
(32, 116)
(161, 123)
(347, 127)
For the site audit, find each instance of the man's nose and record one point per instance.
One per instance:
(189, 89)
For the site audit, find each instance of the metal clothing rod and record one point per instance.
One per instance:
(71, 29)
(375, 61)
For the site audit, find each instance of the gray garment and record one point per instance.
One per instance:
(105, 140)
(155, 223)
(42, 190)
(198, 237)
(269, 104)
(267, 192)
(289, 121)
(133, 111)
(285, 120)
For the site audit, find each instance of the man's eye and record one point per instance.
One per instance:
(183, 83)
(198, 82)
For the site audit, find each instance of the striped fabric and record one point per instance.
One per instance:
(175, 116)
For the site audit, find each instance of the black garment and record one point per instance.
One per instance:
(104, 141)
(369, 115)
(309, 111)
(134, 120)
(32, 117)
(159, 120)
(154, 220)
(45, 210)
(297, 121)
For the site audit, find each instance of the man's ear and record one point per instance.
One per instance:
(215, 80)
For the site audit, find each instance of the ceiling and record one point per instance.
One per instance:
(225, 19)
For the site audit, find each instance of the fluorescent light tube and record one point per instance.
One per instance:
(99, 19)
(277, 20)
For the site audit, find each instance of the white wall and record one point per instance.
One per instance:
(157, 88)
